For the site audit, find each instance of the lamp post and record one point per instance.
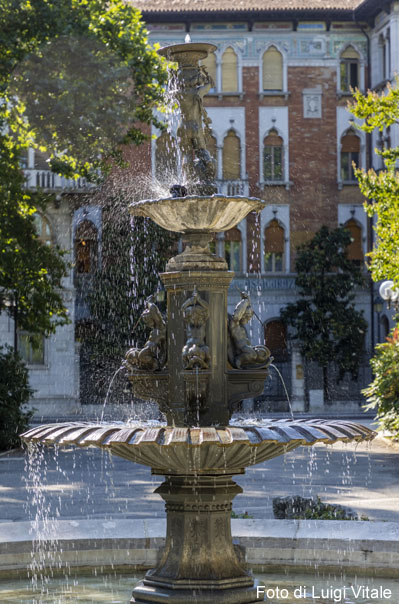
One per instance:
(391, 295)
(378, 305)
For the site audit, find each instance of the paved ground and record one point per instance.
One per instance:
(91, 484)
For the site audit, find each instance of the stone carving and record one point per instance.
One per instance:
(195, 313)
(153, 354)
(195, 126)
(241, 353)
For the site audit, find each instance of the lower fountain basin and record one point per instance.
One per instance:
(210, 450)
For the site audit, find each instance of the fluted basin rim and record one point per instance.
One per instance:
(197, 213)
(168, 449)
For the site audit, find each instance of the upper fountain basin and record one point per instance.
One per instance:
(187, 54)
(209, 450)
(202, 214)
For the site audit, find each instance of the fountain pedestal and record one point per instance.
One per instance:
(199, 562)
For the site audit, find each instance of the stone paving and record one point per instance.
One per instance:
(91, 484)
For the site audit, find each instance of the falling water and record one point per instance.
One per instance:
(285, 389)
(109, 390)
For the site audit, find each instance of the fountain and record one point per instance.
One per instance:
(198, 364)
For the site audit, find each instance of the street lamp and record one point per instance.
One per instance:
(378, 306)
(390, 294)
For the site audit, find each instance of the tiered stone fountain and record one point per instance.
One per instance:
(197, 364)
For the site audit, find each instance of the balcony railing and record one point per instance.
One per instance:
(230, 188)
(45, 179)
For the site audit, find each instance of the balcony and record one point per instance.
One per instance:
(47, 180)
(230, 188)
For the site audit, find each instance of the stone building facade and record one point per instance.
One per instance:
(281, 131)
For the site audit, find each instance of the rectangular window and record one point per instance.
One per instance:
(31, 348)
(347, 172)
(273, 262)
(273, 162)
(349, 75)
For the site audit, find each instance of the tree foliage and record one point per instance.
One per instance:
(326, 323)
(78, 80)
(14, 395)
(381, 111)
(383, 392)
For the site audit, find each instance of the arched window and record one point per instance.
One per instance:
(355, 250)
(210, 65)
(229, 71)
(276, 337)
(43, 229)
(349, 69)
(86, 248)
(231, 157)
(274, 247)
(273, 157)
(165, 157)
(233, 250)
(272, 70)
(350, 151)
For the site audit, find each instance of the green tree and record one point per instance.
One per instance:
(78, 80)
(381, 189)
(327, 325)
(14, 395)
(383, 392)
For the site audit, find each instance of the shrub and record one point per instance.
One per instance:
(383, 392)
(14, 395)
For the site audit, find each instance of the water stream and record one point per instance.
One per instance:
(285, 389)
(109, 390)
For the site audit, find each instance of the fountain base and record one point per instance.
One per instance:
(199, 563)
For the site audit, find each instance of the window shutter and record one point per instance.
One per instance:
(229, 71)
(272, 70)
(233, 235)
(276, 336)
(355, 251)
(231, 157)
(350, 143)
(274, 238)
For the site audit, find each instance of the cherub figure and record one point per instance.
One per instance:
(241, 352)
(153, 354)
(195, 313)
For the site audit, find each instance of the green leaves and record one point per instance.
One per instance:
(14, 395)
(383, 392)
(380, 111)
(325, 320)
(79, 80)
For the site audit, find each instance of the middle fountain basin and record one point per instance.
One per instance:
(209, 450)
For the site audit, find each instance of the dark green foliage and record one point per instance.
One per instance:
(30, 271)
(326, 323)
(383, 392)
(14, 395)
(78, 80)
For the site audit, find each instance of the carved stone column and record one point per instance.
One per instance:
(199, 562)
(211, 383)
